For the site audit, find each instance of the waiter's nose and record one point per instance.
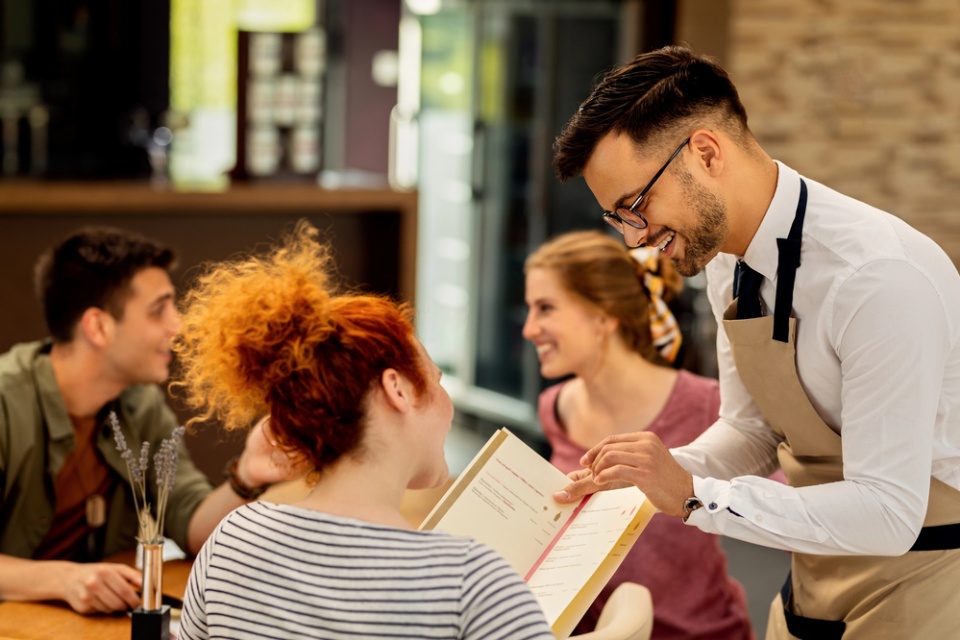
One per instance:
(634, 237)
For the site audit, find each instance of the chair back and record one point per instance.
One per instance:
(627, 615)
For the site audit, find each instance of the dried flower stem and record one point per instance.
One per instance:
(150, 529)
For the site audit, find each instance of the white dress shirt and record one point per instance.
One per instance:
(878, 354)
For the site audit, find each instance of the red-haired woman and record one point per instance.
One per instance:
(351, 392)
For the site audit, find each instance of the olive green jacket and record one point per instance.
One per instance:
(36, 435)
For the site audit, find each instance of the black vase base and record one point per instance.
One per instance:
(151, 625)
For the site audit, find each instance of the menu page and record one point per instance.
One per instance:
(505, 500)
(593, 536)
(566, 553)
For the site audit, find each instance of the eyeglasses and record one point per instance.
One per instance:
(629, 215)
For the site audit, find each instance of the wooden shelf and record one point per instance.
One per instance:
(122, 197)
(372, 232)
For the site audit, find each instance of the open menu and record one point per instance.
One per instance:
(566, 552)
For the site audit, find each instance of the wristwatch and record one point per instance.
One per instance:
(690, 505)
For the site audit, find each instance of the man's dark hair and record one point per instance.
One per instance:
(651, 98)
(93, 267)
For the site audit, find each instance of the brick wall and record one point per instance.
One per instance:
(862, 95)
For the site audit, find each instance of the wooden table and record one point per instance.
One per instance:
(46, 620)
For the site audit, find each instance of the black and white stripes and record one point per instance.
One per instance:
(277, 571)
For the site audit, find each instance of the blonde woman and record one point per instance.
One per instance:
(599, 315)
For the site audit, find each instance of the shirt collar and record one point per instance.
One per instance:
(762, 253)
(58, 423)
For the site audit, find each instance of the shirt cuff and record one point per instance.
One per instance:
(715, 496)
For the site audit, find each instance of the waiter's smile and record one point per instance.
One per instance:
(663, 241)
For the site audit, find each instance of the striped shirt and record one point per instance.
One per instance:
(279, 571)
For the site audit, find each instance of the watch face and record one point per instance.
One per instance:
(691, 505)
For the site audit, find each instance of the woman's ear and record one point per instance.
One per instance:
(396, 389)
(606, 324)
(610, 323)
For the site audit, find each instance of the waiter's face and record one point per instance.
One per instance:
(686, 221)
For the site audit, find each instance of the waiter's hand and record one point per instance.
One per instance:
(640, 459)
(100, 587)
(582, 483)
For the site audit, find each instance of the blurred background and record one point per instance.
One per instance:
(416, 134)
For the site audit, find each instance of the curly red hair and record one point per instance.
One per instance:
(267, 335)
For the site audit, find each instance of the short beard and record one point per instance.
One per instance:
(703, 241)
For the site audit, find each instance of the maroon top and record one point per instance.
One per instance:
(684, 568)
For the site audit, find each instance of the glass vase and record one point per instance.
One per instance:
(152, 576)
(151, 620)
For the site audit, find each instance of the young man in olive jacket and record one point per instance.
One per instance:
(65, 497)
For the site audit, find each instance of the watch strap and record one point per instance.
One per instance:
(237, 485)
(690, 505)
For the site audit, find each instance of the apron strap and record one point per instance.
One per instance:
(806, 628)
(938, 538)
(789, 261)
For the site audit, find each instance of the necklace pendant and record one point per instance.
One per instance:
(96, 511)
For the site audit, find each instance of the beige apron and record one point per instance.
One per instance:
(916, 595)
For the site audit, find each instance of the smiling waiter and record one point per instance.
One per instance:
(838, 349)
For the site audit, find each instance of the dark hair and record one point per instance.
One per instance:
(93, 267)
(267, 334)
(651, 98)
(600, 271)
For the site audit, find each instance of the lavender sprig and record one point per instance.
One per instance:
(165, 463)
(150, 529)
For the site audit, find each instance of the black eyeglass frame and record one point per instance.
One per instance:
(633, 218)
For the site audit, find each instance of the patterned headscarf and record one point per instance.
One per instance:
(664, 330)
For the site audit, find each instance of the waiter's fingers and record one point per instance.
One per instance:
(584, 483)
(581, 485)
(652, 469)
(619, 441)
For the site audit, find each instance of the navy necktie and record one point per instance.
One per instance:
(748, 292)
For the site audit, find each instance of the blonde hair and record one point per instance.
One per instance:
(601, 272)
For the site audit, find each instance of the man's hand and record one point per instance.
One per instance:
(640, 459)
(263, 462)
(583, 484)
(101, 587)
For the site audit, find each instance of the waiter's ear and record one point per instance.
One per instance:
(708, 146)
